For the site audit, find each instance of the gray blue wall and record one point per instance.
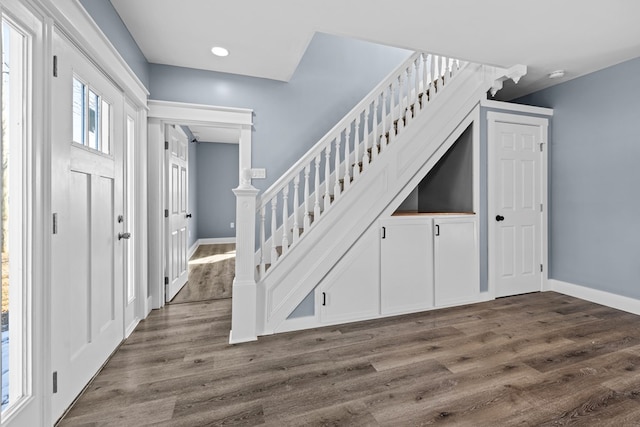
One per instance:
(104, 14)
(334, 74)
(217, 174)
(595, 179)
(193, 194)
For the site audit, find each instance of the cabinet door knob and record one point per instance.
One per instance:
(324, 298)
(499, 218)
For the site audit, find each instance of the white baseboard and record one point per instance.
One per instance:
(210, 241)
(216, 240)
(619, 302)
(193, 249)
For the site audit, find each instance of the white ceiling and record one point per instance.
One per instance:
(268, 38)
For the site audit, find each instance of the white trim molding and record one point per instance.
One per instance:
(619, 302)
(517, 108)
(210, 241)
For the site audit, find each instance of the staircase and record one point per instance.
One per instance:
(308, 219)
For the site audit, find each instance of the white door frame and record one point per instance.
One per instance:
(163, 113)
(543, 123)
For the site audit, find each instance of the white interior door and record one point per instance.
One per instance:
(515, 207)
(178, 222)
(87, 199)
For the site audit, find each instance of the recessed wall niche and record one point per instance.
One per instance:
(448, 187)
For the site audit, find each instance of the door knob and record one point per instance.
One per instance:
(124, 236)
(188, 215)
(499, 218)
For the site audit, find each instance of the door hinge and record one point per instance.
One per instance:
(166, 280)
(55, 382)
(166, 145)
(541, 207)
(55, 65)
(541, 268)
(55, 223)
(541, 145)
(166, 213)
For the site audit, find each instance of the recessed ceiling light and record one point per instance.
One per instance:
(556, 74)
(219, 51)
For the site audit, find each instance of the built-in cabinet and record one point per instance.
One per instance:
(405, 263)
(428, 260)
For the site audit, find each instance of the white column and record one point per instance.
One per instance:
(244, 301)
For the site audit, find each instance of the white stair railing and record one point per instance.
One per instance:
(345, 153)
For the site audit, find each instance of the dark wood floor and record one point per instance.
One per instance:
(211, 273)
(538, 359)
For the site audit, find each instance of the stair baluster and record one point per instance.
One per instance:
(306, 223)
(263, 261)
(386, 131)
(425, 79)
(336, 170)
(316, 188)
(392, 111)
(296, 208)
(407, 110)
(327, 178)
(356, 148)
(375, 139)
(416, 101)
(347, 163)
(285, 219)
(365, 155)
(274, 227)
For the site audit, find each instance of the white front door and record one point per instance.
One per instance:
(88, 242)
(516, 207)
(178, 220)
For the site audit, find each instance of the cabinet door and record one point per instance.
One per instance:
(406, 265)
(457, 273)
(351, 290)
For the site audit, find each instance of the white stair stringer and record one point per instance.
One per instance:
(422, 142)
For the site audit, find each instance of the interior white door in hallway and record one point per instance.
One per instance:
(88, 231)
(176, 251)
(516, 205)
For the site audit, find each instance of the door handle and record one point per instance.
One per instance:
(124, 236)
(188, 215)
(499, 218)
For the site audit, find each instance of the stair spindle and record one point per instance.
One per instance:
(316, 188)
(407, 110)
(392, 111)
(434, 75)
(443, 69)
(374, 129)
(327, 178)
(285, 219)
(296, 208)
(336, 170)
(262, 241)
(402, 108)
(274, 213)
(356, 149)
(306, 223)
(384, 138)
(347, 162)
(425, 79)
(365, 156)
(416, 102)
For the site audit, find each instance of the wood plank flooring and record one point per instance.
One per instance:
(541, 359)
(211, 273)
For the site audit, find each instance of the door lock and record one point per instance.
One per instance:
(499, 218)
(124, 236)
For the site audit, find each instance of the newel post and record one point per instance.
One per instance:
(243, 309)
